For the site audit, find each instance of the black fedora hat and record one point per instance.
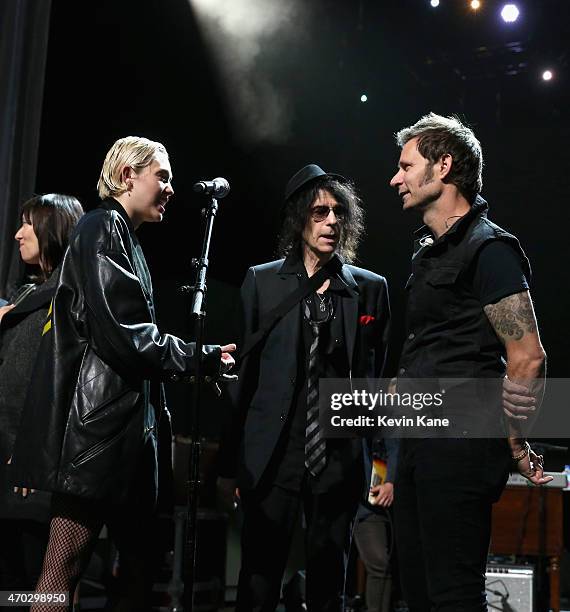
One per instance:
(306, 175)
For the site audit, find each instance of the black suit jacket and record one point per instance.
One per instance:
(264, 395)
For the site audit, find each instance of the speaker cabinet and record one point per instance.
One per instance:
(509, 588)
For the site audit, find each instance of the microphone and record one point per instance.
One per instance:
(218, 188)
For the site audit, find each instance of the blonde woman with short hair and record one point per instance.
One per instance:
(92, 433)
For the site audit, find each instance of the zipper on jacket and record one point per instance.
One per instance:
(90, 416)
(96, 449)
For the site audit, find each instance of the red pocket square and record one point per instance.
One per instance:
(366, 319)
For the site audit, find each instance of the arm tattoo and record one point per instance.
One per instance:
(512, 317)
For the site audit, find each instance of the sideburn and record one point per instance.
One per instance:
(428, 175)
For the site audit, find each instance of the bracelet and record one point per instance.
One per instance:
(522, 454)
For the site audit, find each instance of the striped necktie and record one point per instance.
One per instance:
(315, 446)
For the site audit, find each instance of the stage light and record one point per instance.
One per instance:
(475, 5)
(237, 33)
(363, 98)
(434, 3)
(510, 13)
(547, 75)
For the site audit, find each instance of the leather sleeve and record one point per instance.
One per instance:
(120, 325)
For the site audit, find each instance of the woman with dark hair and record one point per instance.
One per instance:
(47, 222)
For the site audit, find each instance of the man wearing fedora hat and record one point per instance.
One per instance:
(283, 464)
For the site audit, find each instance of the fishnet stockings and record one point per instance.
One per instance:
(74, 529)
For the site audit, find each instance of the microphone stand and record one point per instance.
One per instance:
(199, 314)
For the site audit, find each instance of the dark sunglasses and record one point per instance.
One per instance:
(320, 212)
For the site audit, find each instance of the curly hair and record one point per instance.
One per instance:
(297, 214)
(438, 136)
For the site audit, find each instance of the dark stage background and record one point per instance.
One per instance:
(254, 89)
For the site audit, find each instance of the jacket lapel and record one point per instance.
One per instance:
(349, 311)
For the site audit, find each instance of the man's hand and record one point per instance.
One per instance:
(514, 322)
(532, 468)
(382, 495)
(5, 309)
(228, 362)
(519, 400)
(228, 493)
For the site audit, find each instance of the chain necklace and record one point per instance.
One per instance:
(323, 304)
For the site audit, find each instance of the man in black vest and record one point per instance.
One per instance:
(284, 465)
(469, 315)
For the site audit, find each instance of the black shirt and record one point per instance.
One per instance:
(498, 273)
(287, 467)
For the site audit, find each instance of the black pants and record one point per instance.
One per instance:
(442, 509)
(372, 537)
(269, 521)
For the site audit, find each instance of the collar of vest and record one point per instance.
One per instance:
(478, 209)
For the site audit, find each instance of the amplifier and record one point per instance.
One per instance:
(509, 588)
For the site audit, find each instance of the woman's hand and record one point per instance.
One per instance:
(5, 309)
(227, 360)
(24, 490)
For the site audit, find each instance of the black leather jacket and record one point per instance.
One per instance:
(88, 414)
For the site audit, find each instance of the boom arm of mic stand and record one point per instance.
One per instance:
(193, 468)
